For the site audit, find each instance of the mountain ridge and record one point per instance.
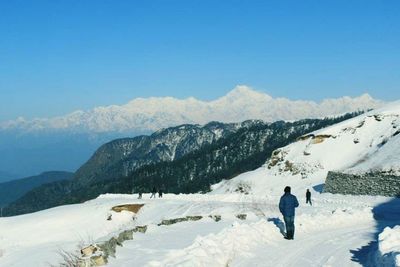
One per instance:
(121, 156)
(150, 114)
(12, 190)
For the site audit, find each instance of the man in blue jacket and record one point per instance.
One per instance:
(287, 204)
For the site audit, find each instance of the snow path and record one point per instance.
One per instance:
(329, 248)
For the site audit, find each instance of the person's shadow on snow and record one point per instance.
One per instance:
(278, 223)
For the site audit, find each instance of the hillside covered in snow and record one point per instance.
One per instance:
(367, 143)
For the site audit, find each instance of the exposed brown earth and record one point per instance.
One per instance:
(128, 207)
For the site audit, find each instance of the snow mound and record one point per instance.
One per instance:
(221, 248)
(389, 247)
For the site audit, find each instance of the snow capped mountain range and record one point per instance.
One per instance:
(150, 114)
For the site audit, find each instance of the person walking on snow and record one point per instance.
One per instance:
(308, 197)
(153, 192)
(287, 205)
(160, 193)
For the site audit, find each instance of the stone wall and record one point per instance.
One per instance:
(364, 184)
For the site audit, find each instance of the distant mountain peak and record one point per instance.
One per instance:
(365, 98)
(244, 93)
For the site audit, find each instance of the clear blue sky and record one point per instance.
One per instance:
(57, 56)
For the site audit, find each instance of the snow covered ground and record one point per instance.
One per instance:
(335, 231)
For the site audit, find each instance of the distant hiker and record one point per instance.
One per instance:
(140, 195)
(153, 192)
(160, 193)
(287, 205)
(308, 197)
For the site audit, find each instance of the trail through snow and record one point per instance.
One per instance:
(327, 234)
(321, 248)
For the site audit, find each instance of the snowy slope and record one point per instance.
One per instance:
(369, 142)
(386, 159)
(144, 115)
(345, 145)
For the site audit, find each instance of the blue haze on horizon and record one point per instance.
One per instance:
(60, 56)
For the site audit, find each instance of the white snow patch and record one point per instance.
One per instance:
(389, 247)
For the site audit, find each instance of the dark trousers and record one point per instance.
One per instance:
(308, 200)
(289, 223)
